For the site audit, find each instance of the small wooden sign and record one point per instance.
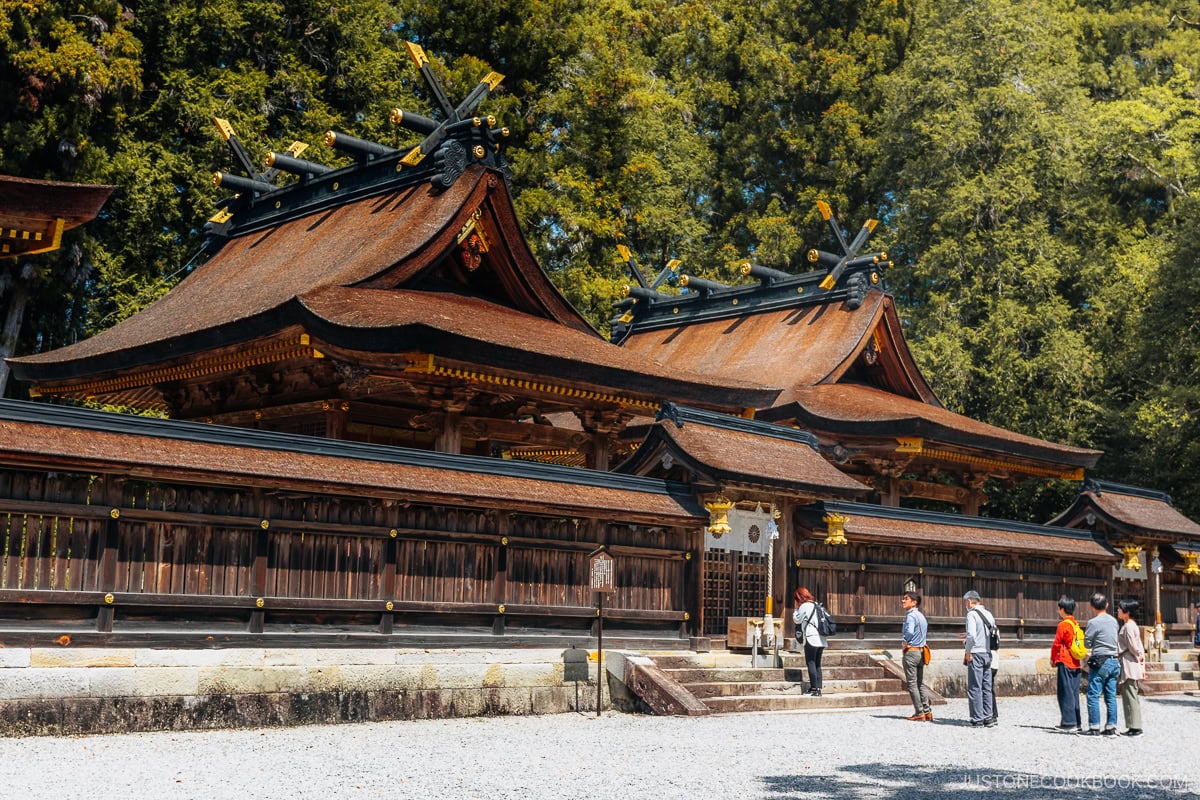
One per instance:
(600, 565)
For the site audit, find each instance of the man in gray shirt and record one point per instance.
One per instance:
(1103, 667)
(978, 658)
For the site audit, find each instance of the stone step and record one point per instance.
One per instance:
(765, 688)
(715, 660)
(831, 659)
(1168, 687)
(725, 675)
(838, 673)
(791, 702)
(1172, 672)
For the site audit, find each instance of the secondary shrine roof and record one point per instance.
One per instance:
(932, 529)
(732, 450)
(1129, 509)
(38, 434)
(34, 213)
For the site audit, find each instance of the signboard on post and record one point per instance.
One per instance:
(600, 566)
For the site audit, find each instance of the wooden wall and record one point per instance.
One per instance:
(77, 546)
(861, 585)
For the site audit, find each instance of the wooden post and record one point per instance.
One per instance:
(500, 583)
(1020, 600)
(261, 549)
(387, 585)
(113, 494)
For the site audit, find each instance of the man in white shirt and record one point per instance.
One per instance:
(978, 659)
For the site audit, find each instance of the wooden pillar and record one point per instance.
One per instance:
(599, 450)
(450, 439)
(113, 497)
(779, 571)
(336, 417)
(387, 584)
(1021, 600)
(500, 582)
(261, 550)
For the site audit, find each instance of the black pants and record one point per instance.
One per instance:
(812, 658)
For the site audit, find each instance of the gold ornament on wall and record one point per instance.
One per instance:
(1131, 557)
(835, 526)
(718, 515)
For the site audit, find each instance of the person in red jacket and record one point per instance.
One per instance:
(1069, 667)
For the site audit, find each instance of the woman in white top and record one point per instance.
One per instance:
(1132, 655)
(805, 617)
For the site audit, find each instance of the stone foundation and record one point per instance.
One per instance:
(65, 692)
(1021, 672)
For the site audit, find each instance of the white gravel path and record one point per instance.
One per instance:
(865, 753)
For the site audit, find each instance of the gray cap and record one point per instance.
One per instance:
(972, 595)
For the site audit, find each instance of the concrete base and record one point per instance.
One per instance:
(56, 692)
(1020, 672)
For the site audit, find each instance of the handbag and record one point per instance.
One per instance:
(926, 654)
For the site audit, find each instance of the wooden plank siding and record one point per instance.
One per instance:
(861, 586)
(176, 551)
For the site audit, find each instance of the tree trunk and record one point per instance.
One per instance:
(12, 328)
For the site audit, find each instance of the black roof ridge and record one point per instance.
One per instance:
(110, 422)
(962, 520)
(739, 300)
(1100, 487)
(679, 414)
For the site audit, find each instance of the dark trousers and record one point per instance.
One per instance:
(1068, 696)
(812, 658)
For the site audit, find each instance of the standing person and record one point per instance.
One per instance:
(1103, 668)
(916, 650)
(805, 617)
(978, 658)
(1069, 667)
(1132, 657)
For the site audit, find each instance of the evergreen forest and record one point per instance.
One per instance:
(1035, 166)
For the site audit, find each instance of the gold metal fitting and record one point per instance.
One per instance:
(684, 279)
(813, 256)
(260, 602)
(972, 573)
(329, 138)
(216, 178)
(393, 533)
(115, 513)
(1193, 563)
(108, 598)
(1020, 577)
(270, 159)
(627, 317)
(920, 570)
(686, 616)
(835, 527)
(389, 605)
(396, 117)
(1021, 622)
(687, 556)
(874, 277)
(744, 268)
(862, 620)
(500, 609)
(797, 562)
(883, 256)
(504, 132)
(264, 524)
(1131, 557)
(1064, 578)
(718, 515)
(258, 415)
(862, 567)
(476, 121)
(478, 151)
(491, 120)
(504, 541)
(625, 291)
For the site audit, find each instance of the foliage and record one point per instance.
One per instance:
(1033, 165)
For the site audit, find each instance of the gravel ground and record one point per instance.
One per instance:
(864, 753)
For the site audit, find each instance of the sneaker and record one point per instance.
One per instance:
(1110, 731)
(916, 718)
(1089, 732)
(929, 716)
(991, 723)
(1133, 732)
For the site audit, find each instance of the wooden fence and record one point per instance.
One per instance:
(127, 555)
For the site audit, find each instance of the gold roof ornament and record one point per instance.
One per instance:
(718, 515)
(835, 528)
(1193, 563)
(1131, 557)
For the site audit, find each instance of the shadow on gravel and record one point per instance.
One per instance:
(898, 782)
(1173, 701)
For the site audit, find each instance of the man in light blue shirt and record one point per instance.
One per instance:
(978, 658)
(916, 628)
